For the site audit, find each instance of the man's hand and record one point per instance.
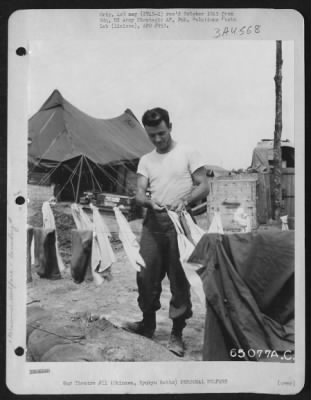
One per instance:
(155, 206)
(177, 206)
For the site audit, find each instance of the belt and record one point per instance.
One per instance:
(159, 211)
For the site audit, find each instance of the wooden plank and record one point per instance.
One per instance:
(288, 195)
(264, 210)
(262, 215)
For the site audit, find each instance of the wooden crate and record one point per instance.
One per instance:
(227, 194)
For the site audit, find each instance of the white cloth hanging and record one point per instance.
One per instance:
(184, 245)
(49, 223)
(128, 239)
(284, 220)
(81, 219)
(99, 259)
(186, 248)
(195, 231)
(216, 225)
(102, 234)
(194, 280)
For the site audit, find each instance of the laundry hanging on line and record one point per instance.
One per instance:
(284, 220)
(49, 223)
(129, 241)
(101, 237)
(195, 232)
(186, 248)
(102, 255)
(216, 224)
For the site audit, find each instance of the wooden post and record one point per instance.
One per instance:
(277, 155)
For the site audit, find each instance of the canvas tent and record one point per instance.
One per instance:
(64, 143)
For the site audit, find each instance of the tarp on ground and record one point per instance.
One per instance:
(59, 132)
(248, 280)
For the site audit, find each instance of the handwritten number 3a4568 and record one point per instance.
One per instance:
(234, 30)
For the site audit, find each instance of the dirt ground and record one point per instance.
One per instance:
(114, 300)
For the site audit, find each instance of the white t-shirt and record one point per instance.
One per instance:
(169, 174)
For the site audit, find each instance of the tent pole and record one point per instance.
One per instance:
(79, 179)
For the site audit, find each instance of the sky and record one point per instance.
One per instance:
(220, 94)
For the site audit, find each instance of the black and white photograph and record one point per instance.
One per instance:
(161, 153)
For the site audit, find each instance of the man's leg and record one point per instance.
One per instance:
(180, 304)
(149, 280)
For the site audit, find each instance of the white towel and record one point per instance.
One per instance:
(186, 248)
(81, 219)
(129, 241)
(216, 225)
(284, 220)
(101, 236)
(101, 257)
(195, 231)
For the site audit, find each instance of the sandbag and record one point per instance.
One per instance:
(52, 333)
(35, 316)
(46, 264)
(73, 352)
(29, 241)
(80, 265)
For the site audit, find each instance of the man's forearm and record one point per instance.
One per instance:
(143, 201)
(198, 193)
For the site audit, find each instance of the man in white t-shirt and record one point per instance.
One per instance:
(176, 178)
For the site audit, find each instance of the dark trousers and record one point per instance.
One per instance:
(159, 249)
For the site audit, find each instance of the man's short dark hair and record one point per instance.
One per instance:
(155, 116)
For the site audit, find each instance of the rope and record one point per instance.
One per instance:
(79, 179)
(77, 340)
(92, 173)
(112, 178)
(73, 173)
(73, 189)
(47, 122)
(115, 181)
(36, 163)
(49, 174)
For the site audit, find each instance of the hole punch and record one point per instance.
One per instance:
(20, 200)
(19, 351)
(21, 51)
